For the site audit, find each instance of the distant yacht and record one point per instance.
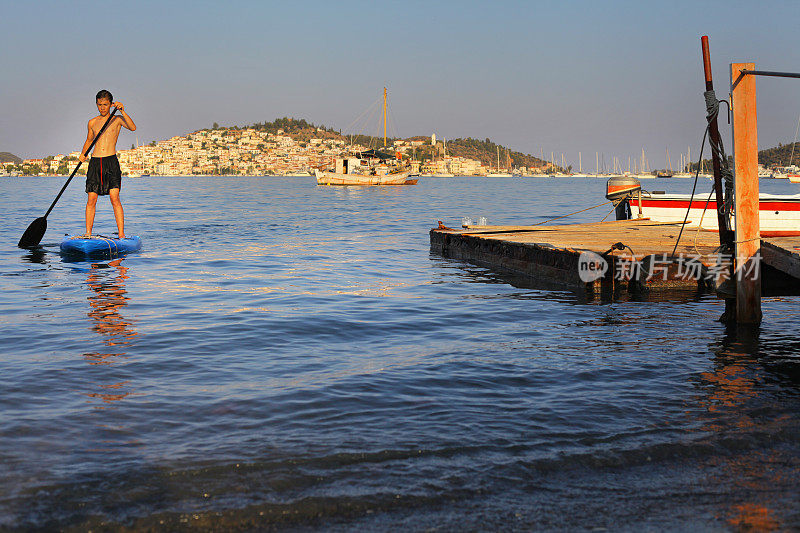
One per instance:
(497, 173)
(764, 172)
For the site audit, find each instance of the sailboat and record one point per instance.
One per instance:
(685, 162)
(497, 173)
(644, 168)
(667, 172)
(368, 167)
(792, 171)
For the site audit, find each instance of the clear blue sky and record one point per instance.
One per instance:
(563, 76)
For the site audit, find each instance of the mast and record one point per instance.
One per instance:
(384, 117)
(795, 140)
(580, 164)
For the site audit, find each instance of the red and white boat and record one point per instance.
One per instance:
(779, 214)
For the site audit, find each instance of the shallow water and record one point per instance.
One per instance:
(287, 355)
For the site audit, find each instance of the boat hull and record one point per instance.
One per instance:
(332, 178)
(779, 215)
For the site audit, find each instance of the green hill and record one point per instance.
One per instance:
(6, 157)
(780, 155)
(777, 156)
(487, 152)
(484, 151)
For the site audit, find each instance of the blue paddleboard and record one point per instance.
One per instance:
(99, 246)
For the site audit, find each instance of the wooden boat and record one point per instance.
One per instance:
(368, 167)
(342, 178)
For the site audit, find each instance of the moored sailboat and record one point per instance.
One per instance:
(368, 167)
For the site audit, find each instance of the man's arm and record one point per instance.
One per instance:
(127, 121)
(89, 139)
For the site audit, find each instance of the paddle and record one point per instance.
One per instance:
(33, 235)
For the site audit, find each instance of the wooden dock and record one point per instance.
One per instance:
(554, 255)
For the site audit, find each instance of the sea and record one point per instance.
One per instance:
(287, 356)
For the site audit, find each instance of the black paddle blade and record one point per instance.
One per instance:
(33, 235)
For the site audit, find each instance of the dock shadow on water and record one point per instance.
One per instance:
(283, 373)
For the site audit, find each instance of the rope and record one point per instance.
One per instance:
(700, 226)
(372, 109)
(694, 187)
(615, 204)
(718, 149)
(108, 240)
(575, 213)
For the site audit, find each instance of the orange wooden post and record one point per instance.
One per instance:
(745, 160)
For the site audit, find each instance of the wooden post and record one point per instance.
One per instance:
(725, 233)
(745, 160)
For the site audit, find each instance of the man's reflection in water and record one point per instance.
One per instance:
(106, 302)
(742, 402)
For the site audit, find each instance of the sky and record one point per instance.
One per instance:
(589, 77)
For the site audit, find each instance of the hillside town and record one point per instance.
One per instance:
(252, 152)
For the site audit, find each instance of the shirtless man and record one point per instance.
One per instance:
(104, 177)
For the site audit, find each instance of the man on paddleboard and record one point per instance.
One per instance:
(104, 177)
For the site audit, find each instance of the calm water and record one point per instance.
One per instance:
(292, 356)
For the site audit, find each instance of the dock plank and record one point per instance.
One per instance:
(551, 252)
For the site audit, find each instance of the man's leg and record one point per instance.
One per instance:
(91, 202)
(118, 214)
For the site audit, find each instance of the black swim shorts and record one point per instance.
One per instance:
(103, 175)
